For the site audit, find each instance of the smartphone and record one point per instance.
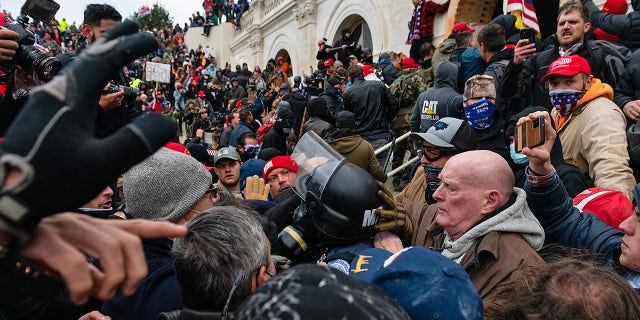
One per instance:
(529, 34)
(529, 134)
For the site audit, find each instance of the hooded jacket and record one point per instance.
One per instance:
(357, 151)
(594, 139)
(493, 250)
(276, 138)
(431, 105)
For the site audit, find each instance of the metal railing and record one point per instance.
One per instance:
(410, 162)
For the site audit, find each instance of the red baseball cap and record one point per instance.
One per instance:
(409, 63)
(328, 62)
(367, 70)
(610, 206)
(568, 66)
(462, 27)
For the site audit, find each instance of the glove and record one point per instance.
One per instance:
(256, 189)
(392, 217)
(53, 145)
(281, 263)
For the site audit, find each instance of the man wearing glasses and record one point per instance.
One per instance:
(248, 146)
(446, 138)
(167, 186)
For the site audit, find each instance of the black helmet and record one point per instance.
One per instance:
(341, 214)
(297, 79)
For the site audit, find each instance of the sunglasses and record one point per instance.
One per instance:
(252, 148)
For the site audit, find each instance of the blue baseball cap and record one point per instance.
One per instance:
(426, 284)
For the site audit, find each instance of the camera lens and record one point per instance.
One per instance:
(45, 66)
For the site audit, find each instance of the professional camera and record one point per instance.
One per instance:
(329, 215)
(27, 55)
(315, 84)
(129, 92)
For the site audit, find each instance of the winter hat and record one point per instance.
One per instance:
(479, 86)
(334, 80)
(426, 284)
(267, 154)
(450, 133)
(568, 66)
(338, 63)
(284, 105)
(309, 291)
(610, 206)
(317, 106)
(250, 168)
(286, 114)
(615, 6)
(279, 162)
(345, 120)
(199, 152)
(165, 186)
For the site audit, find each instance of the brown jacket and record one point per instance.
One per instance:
(359, 152)
(414, 191)
(493, 261)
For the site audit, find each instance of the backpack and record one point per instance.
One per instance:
(409, 86)
(264, 128)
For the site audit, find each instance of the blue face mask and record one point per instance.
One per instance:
(565, 99)
(480, 114)
(517, 157)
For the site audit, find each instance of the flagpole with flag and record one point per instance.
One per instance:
(525, 14)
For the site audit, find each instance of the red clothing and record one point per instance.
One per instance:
(427, 15)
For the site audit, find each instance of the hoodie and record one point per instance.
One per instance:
(516, 218)
(357, 151)
(598, 89)
(431, 105)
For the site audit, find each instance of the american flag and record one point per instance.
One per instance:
(525, 10)
(144, 11)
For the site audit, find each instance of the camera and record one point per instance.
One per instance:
(30, 57)
(129, 92)
(315, 84)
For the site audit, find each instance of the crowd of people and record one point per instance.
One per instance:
(257, 193)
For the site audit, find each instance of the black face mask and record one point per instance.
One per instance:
(433, 182)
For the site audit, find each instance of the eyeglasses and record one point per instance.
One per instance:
(432, 151)
(236, 283)
(251, 148)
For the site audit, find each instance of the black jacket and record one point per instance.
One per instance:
(276, 138)
(389, 73)
(334, 101)
(298, 103)
(628, 88)
(373, 105)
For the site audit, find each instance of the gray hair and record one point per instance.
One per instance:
(221, 243)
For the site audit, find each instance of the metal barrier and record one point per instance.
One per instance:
(390, 145)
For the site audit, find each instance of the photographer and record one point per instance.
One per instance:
(8, 46)
(114, 111)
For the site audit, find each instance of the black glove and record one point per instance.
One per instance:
(53, 144)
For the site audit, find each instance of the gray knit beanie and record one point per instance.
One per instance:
(165, 186)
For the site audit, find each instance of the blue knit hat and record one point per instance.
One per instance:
(252, 167)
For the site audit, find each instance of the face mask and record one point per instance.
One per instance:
(431, 173)
(480, 114)
(565, 99)
(517, 157)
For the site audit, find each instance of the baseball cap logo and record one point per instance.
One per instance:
(441, 125)
(267, 166)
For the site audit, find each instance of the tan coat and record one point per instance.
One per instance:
(493, 261)
(359, 152)
(414, 191)
(594, 140)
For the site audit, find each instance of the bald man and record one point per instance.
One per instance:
(480, 220)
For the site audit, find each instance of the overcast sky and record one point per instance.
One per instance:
(72, 10)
